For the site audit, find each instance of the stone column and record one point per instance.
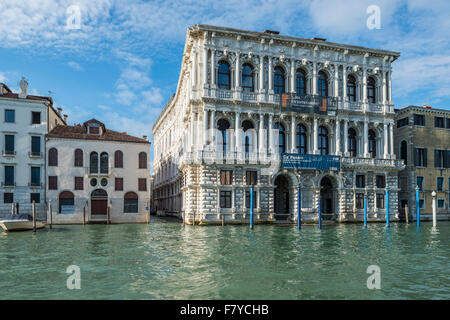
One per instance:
(336, 80)
(261, 74)
(384, 87)
(213, 70)
(205, 132)
(390, 86)
(338, 137)
(205, 67)
(270, 76)
(385, 141)
(346, 137)
(261, 134)
(314, 78)
(237, 132)
(212, 127)
(315, 137)
(292, 76)
(364, 87)
(270, 129)
(293, 146)
(391, 139)
(344, 83)
(366, 139)
(192, 131)
(237, 72)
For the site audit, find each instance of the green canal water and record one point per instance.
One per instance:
(165, 260)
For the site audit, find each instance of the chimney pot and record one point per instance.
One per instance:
(145, 137)
(59, 111)
(65, 118)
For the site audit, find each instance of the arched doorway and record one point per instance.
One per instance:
(99, 202)
(281, 198)
(327, 197)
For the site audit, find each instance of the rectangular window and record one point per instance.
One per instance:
(440, 184)
(35, 146)
(380, 201)
(420, 183)
(402, 122)
(251, 177)
(52, 182)
(8, 197)
(247, 199)
(359, 201)
(420, 157)
(448, 123)
(440, 158)
(36, 197)
(419, 120)
(9, 144)
(9, 176)
(439, 122)
(421, 203)
(226, 177)
(360, 181)
(79, 183)
(35, 176)
(9, 115)
(118, 184)
(225, 199)
(441, 204)
(142, 184)
(35, 117)
(381, 181)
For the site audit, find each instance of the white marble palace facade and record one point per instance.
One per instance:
(247, 100)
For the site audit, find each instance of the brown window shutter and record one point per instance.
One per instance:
(118, 184)
(118, 159)
(142, 184)
(52, 182)
(79, 185)
(78, 158)
(142, 160)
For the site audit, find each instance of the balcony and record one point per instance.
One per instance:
(8, 184)
(35, 154)
(9, 153)
(98, 172)
(35, 184)
(231, 157)
(367, 163)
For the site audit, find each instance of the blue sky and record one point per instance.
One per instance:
(122, 65)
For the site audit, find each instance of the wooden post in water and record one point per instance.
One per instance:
(108, 215)
(50, 213)
(12, 208)
(193, 220)
(33, 211)
(223, 220)
(406, 213)
(84, 215)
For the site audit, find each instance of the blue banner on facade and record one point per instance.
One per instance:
(310, 161)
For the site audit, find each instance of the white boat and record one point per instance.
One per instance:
(20, 222)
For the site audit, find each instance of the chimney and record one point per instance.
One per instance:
(65, 118)
(145, 137)
(59, 111)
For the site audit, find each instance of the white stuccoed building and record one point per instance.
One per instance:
(284, 114)
(24, 121)
(91, 168)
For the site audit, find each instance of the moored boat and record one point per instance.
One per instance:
(20, 222)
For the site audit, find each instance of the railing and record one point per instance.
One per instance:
(375, 107)
(8, 184)
(99, 171)
(35, 154)
(224, 94)
(246, 96)
(9, 153)
(230, 157)
(354, 105)
(372, 162)
(35, 184)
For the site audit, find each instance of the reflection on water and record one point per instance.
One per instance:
(170, 261)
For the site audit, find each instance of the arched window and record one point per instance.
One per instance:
(66, 202)
(104, 162)
(372, 143)
(278, 80)
(118, 159)
(301, 139)
(223, 125)
(248, 83)
(323, 141)
(142, 160)
(53, 157)
(281, 137)
(352, 142)
(322, 84)
(300, 82)
(404, 151)
(248, 145)
(78, 158)
(93, 162)
(223, 75)
(371, 90)
(351, 88)
(130, 202)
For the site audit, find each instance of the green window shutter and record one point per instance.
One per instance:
(436, 158)
(416, 157)
(425, 163)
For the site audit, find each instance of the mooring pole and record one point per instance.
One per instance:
(387, 207)
(433, 194)
(299, 207)
(417, 207)
(108, 212)
(33, 212)
(193, 220)
(365, 210)
(223, 220)
(12, 208)
(320, 214)
(84, 215)
(50, 213)
(406, 213)
(251, 207)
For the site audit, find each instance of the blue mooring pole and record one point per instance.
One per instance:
(320, 214)
(387, 207)
(251, 207)
(365, 210)
(299, 207)
(417, 207)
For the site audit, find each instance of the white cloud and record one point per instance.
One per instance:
(3, 77)
(74, 65)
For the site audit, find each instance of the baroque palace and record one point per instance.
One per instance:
(284, 115)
